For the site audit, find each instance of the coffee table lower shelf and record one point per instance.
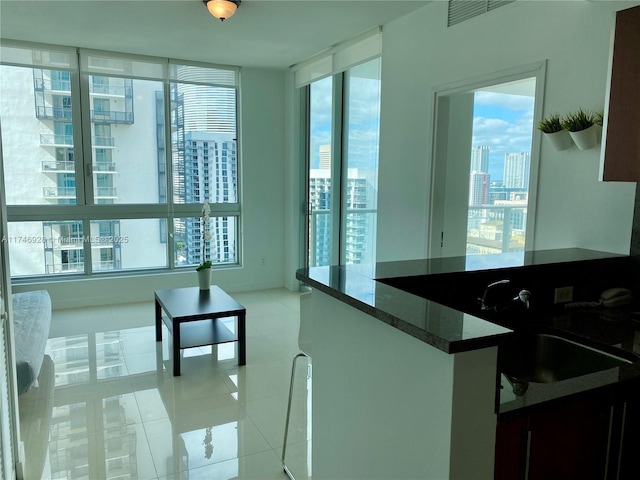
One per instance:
(200, 333)
(194, 319)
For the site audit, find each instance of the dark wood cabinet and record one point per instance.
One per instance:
(567, 440)
(621, 142)
(629, 444)
(512, 448)
(590, 437)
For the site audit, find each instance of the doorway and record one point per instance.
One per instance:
(485, 166)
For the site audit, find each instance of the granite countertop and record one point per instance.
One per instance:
(395, 293)
(445, 328)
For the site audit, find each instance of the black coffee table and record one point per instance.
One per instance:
(191, 317)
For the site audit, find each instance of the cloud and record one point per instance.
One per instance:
(362, 103)
(503, 137)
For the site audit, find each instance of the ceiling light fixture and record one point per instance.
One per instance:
(222, 9)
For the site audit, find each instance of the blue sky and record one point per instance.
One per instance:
(363, 103)
(504, 122)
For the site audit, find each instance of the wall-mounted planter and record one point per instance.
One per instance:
(587, 138)
(559, 140)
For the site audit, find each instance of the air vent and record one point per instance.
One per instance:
(461, 10)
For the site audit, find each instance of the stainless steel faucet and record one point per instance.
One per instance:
(497, 296)
(525, 297)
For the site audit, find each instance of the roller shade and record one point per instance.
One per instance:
(339, 58)
(58, 58)
(96, 62)
(155, 68)
(222, 77)
(107, 64)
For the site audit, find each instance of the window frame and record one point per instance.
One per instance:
(537, 70)
(86, 209)
(338, 210)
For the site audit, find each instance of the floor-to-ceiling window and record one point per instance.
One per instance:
(320, 177)
(342, 137)
(125, 149)
(360, 158)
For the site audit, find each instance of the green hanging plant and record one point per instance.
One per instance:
(598, 118)
(579, 120)
(551, 124)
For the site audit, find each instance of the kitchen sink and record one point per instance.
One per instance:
(548, 357)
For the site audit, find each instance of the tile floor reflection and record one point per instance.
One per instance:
(108, 407)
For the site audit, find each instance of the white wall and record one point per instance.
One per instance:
(388, 406)
(263, 173)
(262, 230)
(420, 54)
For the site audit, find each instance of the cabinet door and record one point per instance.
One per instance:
(621, 149)
(570, 441)
(511, 448)
(630, 437)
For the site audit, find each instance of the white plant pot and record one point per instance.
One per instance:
(559, 140)
(204, 278)
(587, 138)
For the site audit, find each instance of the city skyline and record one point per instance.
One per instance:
(500, 159)
(504, 123)
(501, 121)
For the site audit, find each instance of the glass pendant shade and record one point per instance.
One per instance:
(221, 9)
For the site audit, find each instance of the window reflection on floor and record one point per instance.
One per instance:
(107, 406)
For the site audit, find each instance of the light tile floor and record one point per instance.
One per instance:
(113, 410)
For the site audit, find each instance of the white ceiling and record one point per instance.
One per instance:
(263, 33)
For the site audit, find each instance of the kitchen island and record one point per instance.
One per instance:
(406, 380)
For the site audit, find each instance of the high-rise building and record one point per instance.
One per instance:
(360, 223)
(38, 147)
(205, 156)
(516, 170)
(210, 174)
(478, 188)
(320, 216)
(325, 156)
(49, 168)
(359, 194)
(480, 158)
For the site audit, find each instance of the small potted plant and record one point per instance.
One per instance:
(582, 128)
(204, 269)
(553, 131)
(598, 118)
